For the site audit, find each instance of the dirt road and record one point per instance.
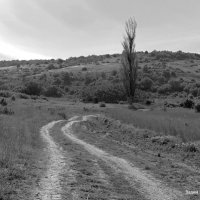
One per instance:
(77, 169)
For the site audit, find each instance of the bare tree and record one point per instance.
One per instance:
(129, 60)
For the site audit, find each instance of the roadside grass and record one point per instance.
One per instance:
(179, 122)
(21, 145)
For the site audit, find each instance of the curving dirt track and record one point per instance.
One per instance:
(77, 169)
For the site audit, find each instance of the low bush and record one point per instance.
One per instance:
(62, 115)
(66, 78)
(108, 93)
(164, 140)
(34, 97)
(176, 85)
(164, 89)
(51, 66)
(32, 88)
(84, 69)
(114, 72)
(102, 105)
(13, 98)
(188, 103)
(53, 91)
(132, 107)
(95, 100)
(5, 94)
(146, 83)
(190, 148)
(23, 96)
(197, 107)
(3, 102)
(122, 102)
(6, 111)
(148, 102)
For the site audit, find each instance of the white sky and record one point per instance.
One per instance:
(62, 28)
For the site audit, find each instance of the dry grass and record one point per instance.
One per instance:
(20, 145)
(183, 123)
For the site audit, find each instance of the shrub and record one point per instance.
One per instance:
(63, 115)
(51, 66)
(57, 81)
(103, 75)
(3, 102)
(122, 102)
(176, 85)
(53, 91)
(84, 69)
(190, 96)
(148, 102)
(66, 78)
(146, 83)
(95, 100)
(60, 61)
(66, 89)
(161, 80)
(13, 98)
(132, 107)
(164, 89)
(88, 79)
(114, 72)
(107, 92)
(72, 92)
(32, 88)
(173, 74)
(102, 105)
(164, 140)
(34, 97)
(188, 103)
(5, 94)
(146, 69)
(190, 148)
(194, 91)
(167, 74)
(23, 96)
(6, 111)
(197, 107)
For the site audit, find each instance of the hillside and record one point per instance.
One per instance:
(67, 131)
(160, 73)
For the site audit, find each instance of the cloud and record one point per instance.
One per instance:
(60, 28)
(9, 51)
(5, 57)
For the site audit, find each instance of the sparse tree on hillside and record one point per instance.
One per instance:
(129, 60)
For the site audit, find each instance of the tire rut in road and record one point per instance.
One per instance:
(50, 184)
(146, 184)
(94, 179)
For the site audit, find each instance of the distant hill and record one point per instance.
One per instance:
(163, 56)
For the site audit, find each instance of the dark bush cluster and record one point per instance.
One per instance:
(197, 107)
(146, 83)
(5, 94)
(190, 148)
(3, 102)
(6, 111)
(173, 55)
(188, 103)
(53, 91)
(32, 88)
(103, 93)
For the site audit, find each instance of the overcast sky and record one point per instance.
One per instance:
(62, 28)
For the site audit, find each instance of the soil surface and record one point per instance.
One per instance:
(86, 161)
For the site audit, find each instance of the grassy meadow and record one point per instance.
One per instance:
(47, 90)
(21, 144)
(178, 122)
